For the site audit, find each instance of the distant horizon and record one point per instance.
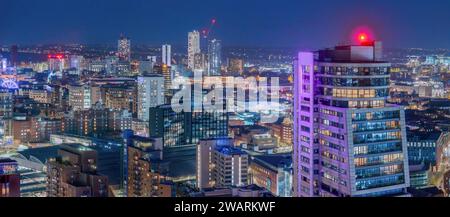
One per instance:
(178, 46)
(285, 23)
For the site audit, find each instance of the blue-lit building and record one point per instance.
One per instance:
(349, 141)
(214, 57)
(169, 125)
(178, 129)
(422, 147)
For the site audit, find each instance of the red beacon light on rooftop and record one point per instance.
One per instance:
(364, 39)
(55, 56)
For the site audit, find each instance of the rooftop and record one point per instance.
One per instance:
(228, 150)
(417, 135)
(7, 160)
(274, 161)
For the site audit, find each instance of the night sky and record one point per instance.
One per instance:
(274, 23)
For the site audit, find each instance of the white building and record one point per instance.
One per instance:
(124, 49)
(193, 47)
(150, 94)
(167, 54)
(220, 165)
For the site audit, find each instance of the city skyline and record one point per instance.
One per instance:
(282, 24)
(224, 99)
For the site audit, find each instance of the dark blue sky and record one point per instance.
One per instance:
(298, 23)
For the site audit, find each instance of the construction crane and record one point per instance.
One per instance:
(207, 31)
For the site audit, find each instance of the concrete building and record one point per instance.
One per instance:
(220, 165)
(193, 47)
(83, 96)
(273, 172)
(150, 94)
(74, 173)
(144, 179)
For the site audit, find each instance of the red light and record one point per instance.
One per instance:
(362, 37)
(213, 21)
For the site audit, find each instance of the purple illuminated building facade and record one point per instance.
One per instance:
(348, 141)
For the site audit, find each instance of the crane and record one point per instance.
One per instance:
(207, 31)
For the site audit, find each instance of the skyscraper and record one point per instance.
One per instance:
(348, 140)
(193, 47)
(165, 71)
(14, 55)
(124, 49)
(214, 57)
(167, 55)
(150, 94)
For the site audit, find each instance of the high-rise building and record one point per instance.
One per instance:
(6, 103)
(14, 53)
(205, 124)
(124, 49)
(74, 173)
(167, 55)
(214, 57)
(150, 94)
(348, 141)
(193, 47)
(169, 125)
(143, 177)
(220, 164)
(56, 62)
(165, 71)
(9, 178)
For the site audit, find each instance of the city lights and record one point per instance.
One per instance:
(246, 101)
